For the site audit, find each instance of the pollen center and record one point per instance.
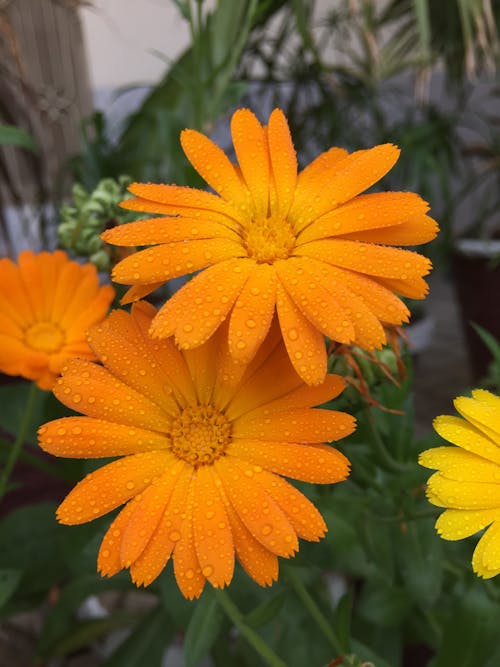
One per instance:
(200, 435)
(44, 337)
(268, 239)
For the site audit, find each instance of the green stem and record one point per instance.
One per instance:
(316, 613)
(385, 457)
(36, 462)
(257, 643)
(19, 441)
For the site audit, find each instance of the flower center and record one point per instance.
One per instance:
(200, 435)
(44, 337)
(268, 239)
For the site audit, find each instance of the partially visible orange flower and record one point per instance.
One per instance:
(204, 443)
(47, 303)
(307, 244)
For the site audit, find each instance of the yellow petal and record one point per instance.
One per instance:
(465, 435)
(457, 524)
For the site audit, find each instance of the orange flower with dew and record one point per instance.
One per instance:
(307, 244)
(204, 445)
(47, 303)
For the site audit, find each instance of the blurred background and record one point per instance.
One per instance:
(93, 95)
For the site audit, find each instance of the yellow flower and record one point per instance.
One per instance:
(306, 244)
(47, 303)
(468, 481)
(204, 443)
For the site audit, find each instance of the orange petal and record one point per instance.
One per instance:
(153, 559)
(9, 327)
(283, 160)
(90, 312)
(31, 276)
(14, 301)
(229, 371)
(170, 360)
(368, 332)
(252, 314)
(319, 464)
(202, 364)
(420, 229)
(302, 514)
(130, 358)
(214, 166)
(172, 260)
(383, 303)
(368, 258)
(304, 343)
(137, 292)
(307, 181)
(354, 174)
(88, 438)
(200, 215)
(84, 291)
(50, 266)
(380, 210)
(298, 425)
(91, 389)
(257, 561)
(316, 302)
(258, 511)
(198, 308)
(112, 485)
(178, 200)
(250, 145)
(212, 534)
(413, 288)
(166, 230)
(148, 514)
(186, 566)
(307, 397)
(272, 380)
(108, 559)
(17, 359)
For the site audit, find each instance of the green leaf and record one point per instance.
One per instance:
(203, 628)
(147, 643)
(9, 578)
(419, 552)
(13, 399)
(384, 605)
(14, 136)
(266, 611)
(60, 622)
(342, 621)
(471, 631)
(88, 631)
(29, 537)
(368, 655)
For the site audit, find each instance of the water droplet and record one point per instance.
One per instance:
(293, 334)
(175, 536)
(267, 529)
(207, 570)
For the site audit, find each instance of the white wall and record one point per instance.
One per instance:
(121, 35)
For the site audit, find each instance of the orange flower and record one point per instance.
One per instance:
(47, 303)
(204, 444)
(308, 244)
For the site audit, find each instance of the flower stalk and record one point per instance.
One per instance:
(17, 447)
